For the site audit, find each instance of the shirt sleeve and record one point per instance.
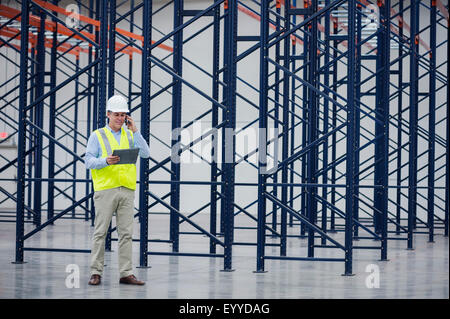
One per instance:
(93, 159)
(144, 150)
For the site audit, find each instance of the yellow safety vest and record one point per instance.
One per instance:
(113, 176)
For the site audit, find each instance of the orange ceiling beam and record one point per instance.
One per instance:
(96, 23)
(61, 29)
(12, 32)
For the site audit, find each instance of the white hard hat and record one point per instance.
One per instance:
(117, 103)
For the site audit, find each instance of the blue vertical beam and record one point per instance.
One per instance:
(312, 156)
(400, 121)
(145, 131)
(447, 164)
(101, 79)
(385, 40)
(75, 127)
(379, 130)
(230, 126)
(31, 139)
(39, 118)
(214, 123)
(277, 116)
(111, 76)
(22, 130)
(226, 52)
(89, 111)
(413, 100)
(432, 122)
(96, 90)
(112, 47)
(292, 125)
(349, 178)
(326, 81)
(130, 60)
(75, 131)
(51, 126)
(95, 112)
(176, 123)
(304, 132)
(285, 146)
(262, 146)
(357, 117)
(334, 123)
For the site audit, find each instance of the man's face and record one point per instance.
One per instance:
(116, 119)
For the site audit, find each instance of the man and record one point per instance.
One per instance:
(114, 187)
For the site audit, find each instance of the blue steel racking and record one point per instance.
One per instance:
(330, 89)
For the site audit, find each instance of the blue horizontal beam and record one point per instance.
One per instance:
(248, 38)
(162, 253)
(58, 250)
(300, 11)
(304, 258)
(193, 13)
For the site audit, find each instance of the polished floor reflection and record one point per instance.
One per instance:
(419, 273)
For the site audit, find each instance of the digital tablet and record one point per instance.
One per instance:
(127, 156)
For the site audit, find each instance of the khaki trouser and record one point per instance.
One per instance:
(118, 201)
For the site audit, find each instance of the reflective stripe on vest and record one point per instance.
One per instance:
(113, 176)
(108, 145)
(130, 139)
(106, 142)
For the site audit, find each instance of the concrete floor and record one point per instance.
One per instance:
(419, 273)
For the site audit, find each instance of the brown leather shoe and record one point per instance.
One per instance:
(131, 280)
(95, 280)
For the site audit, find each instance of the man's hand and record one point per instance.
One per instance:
(110, 160)
(130, 124)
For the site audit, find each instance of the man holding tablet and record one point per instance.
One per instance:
(114, 181)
